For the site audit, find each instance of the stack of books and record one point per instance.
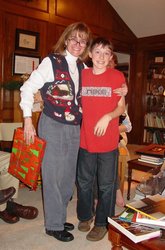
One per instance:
(151, 159)
(143, 219)
(153, 154)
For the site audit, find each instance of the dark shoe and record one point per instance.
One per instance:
(84, 226)
(8, 218)
(96, 233)
(6, 194)
(68, 226)
(61, 235)
(25, 212)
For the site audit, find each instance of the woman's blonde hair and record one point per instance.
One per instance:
(83, 31)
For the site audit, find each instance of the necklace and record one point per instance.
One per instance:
(72, 68)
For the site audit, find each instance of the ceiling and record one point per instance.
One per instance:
(143, 17)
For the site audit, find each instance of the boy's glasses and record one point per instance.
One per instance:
(82, 43)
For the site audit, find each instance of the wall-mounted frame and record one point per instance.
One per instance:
(23, 64)
(27, 40)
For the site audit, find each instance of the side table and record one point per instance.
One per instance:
(118, 240)
(141, 166)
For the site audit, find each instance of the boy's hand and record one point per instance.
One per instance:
(101, 125)
(121, 91)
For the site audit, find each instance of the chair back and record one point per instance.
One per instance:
(7, 132)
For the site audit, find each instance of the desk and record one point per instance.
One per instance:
(141, 166)
(118, 240)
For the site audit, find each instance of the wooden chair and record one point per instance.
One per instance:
(6, 134)
(122, 165)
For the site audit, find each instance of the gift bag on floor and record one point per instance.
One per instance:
(25, 160)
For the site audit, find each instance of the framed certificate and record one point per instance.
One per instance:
(25, 64)
(27, 40)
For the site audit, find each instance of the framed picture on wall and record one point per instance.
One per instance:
(26, 39)
(24, 64)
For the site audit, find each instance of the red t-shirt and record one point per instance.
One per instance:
(98, 99)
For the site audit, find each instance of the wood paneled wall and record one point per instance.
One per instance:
(49, 18)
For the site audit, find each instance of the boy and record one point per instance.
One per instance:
(99, 139)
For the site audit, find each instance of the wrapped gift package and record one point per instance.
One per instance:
(25, 160)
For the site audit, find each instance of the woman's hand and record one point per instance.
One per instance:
(121, 91)
(29, 130)
(102, 124)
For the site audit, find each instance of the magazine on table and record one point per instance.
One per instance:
(152, 158)
(152, 206)
(151, 162)
(145, 220)
(134, 231)
(128, 215)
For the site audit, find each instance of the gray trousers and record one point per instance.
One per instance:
(58, 169)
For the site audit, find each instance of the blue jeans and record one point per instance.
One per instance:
(104, 167)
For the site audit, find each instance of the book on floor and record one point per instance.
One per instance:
(152, 206)
(145, 220)
(134, 231)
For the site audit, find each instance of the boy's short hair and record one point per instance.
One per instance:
(103, 41)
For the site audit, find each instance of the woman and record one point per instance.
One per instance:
(58, 78)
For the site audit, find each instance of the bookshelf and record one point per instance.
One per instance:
(154, 117)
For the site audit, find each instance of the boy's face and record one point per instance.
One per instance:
(101, 57)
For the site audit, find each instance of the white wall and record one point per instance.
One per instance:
(123, 58)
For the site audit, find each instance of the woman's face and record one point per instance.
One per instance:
(76, 44)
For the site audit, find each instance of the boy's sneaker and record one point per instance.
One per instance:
(97, 233)
(84, 226)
